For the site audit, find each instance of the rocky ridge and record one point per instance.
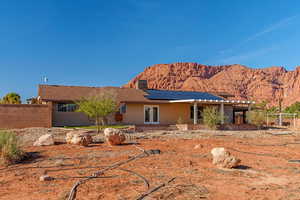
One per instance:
(269, 83)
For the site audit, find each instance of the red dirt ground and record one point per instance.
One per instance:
(265, 172)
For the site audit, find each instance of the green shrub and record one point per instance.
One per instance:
(257, 118)
(211, 117)
(10, 151)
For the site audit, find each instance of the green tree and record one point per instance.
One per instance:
(272, 109)
(211, 117)
(294, 108)
(98, 107)
(11, 98)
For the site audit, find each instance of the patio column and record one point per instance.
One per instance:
(222, 113)
(195, 113)
(280, 119)
(249, 109)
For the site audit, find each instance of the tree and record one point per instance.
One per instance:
(98, 107)
(211, 117)
(294, 108)
(11, 98)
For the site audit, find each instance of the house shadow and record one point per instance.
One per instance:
(242, 167)
(30, 157)
(59, 143)
(129, 143)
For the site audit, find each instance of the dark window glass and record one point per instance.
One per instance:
(123, 109)
(64, 107)
(147, 114)
(200, 110)
(155, 114)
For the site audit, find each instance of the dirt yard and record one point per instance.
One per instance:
(269, 167)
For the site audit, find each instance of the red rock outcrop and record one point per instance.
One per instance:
(241, 81)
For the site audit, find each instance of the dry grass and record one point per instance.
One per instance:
(10, 151)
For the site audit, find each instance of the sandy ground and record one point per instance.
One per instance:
(266, 171)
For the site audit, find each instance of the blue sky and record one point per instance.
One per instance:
(100, 42)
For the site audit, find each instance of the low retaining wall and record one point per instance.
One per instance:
(25, 116)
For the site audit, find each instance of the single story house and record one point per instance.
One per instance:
(140, 105)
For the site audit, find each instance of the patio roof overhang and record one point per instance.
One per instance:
(212, 101)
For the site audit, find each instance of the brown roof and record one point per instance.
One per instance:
(74, 93)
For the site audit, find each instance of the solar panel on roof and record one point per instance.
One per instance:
(179, 95)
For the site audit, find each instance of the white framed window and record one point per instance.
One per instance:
(151, 114)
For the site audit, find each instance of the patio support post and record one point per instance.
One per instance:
(222, 113)
(195, 113)
(249, 109)
(280, 119)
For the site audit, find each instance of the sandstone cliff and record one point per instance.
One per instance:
(241, 81)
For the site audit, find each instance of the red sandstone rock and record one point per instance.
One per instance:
(241, 81)
(114, 136)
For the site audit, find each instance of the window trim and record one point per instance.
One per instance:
(151, 114)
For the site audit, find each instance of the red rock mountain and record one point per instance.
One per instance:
(243, 82)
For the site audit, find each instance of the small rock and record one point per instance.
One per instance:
(45, 140)
(46, 178)
(223, 159)
(114, 136)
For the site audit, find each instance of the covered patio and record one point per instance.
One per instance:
(229, 104)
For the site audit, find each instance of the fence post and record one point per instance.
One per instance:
(280, 119)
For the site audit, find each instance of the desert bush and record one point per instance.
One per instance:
(256, 117)
(10, 151)
(211, 117)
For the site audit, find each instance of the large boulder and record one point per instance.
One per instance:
(223, 159)
(114, 136)
(45, 140)
(82, 138)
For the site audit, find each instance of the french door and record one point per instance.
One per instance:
(151, 114)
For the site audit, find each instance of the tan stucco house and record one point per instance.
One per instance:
(140, 105)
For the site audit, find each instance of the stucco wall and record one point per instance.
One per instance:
(25, 116)
(70, 119)
(74, 118)
(169, 113)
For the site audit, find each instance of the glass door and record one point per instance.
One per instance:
(151, 114)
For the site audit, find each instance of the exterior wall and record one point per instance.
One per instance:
(168, 113)
(25, 116)
(69, 118)
(61, 119)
